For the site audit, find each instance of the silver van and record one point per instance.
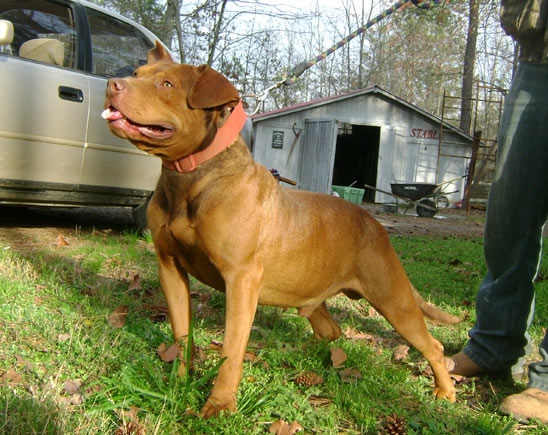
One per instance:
(55, 59)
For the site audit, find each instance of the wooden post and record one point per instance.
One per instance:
(471, 170)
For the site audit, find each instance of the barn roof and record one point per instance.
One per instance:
(369, 90)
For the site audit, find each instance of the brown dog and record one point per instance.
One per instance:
(227, 222)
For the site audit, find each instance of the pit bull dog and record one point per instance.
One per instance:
(221, 217)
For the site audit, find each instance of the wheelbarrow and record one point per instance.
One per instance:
(419, 195)
(425, 197)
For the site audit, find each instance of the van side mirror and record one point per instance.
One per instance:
(6, 32)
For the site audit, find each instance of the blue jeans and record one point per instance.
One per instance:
(517, 210)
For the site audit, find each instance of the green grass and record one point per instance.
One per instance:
(54, 306)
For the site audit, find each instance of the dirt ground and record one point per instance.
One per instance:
(24, 228)
(447, 222)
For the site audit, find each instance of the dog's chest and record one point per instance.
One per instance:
(183, 231)
(184, 242)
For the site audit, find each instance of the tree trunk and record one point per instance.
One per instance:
(172, 20)
(468, 70)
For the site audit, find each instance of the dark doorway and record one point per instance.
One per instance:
(356, 157)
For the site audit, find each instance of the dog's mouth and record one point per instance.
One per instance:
(121, 122)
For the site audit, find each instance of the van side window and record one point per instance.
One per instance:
(117, 48)
(43, 31)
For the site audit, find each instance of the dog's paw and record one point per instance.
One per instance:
(215, 405)
(450, 395)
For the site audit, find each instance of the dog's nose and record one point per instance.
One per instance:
(116, 85)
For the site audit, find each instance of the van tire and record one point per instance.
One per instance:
(140, 215)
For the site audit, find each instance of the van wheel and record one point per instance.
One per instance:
(140, 215)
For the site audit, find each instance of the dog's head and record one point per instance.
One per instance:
(168, 109)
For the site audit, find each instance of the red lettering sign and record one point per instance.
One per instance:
(424, 134)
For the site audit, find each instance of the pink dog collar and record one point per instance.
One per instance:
(224, 137)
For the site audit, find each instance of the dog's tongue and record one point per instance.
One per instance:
(111, 115)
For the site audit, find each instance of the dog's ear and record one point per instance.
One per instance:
(158, 53)
(211, 89)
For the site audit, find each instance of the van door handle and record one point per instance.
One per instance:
(71, 94)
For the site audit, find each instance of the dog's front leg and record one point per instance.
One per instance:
(242, 292)
(174, 281)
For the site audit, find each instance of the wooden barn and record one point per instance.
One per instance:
(366, 137)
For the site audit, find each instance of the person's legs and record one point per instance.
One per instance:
(516, 212)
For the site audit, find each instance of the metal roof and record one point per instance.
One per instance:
(369, 90)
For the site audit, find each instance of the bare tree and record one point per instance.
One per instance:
(414, 53)
(468, 66)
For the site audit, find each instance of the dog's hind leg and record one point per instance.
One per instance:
(323, 325)
(384, 283)
(410, 325)
(394, 300)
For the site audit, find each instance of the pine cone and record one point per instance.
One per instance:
(309, 379)
(394, 425)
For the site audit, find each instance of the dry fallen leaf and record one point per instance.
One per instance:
(129, 415)
(136, 284)
(338, 357)
(277, 427)
(295, 427)
(400, 353)
(75, 397)
(23, 362)
(280, 427)
(427, 371)
(354, 334)
(118, 317)
(168, 354)
(349, 376)
(130, 428)
(63, 337)
(11, 377)
(457, 378)
(72, 387)
(61, 242)
(250, 356)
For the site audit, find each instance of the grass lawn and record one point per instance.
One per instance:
(67, 367)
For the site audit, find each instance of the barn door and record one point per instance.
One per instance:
(427, 161)
(318, 155)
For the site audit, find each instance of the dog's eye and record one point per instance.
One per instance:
(167, 84)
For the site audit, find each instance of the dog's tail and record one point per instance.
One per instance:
(431, 312)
